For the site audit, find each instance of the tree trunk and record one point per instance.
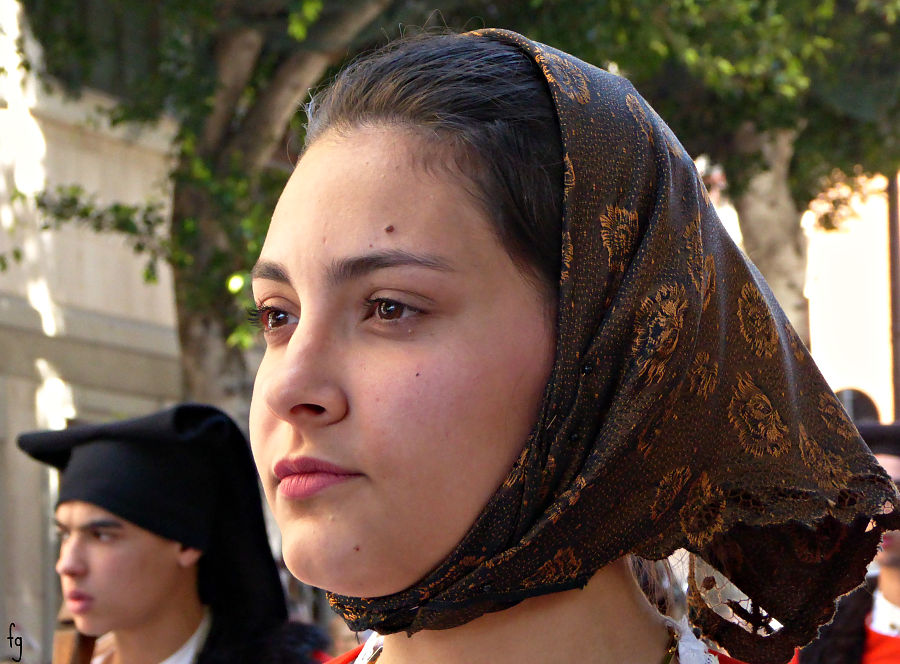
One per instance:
(770, 221)
(237, 54)
(265, 123)
(212, 371)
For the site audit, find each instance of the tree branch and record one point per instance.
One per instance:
(237, 52)
(265, 123)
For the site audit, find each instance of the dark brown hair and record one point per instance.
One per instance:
(483, 104)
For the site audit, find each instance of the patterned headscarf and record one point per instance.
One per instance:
(682, 410)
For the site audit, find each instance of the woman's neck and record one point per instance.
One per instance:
(609, 620)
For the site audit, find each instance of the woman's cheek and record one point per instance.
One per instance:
(262, 425)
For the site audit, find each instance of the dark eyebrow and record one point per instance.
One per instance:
(90, 525)
(355, 267)
(345, 269)
(269, 270)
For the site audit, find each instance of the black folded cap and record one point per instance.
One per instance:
(158, 471)
(186, 474)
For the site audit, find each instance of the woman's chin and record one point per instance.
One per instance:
(342, 574)
(350, 560)
(328, 568)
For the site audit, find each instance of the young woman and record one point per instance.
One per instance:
(508, 344)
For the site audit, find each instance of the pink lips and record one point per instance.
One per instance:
(304, 477)
(79, 602)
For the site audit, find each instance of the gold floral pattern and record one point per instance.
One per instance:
(578, 486)
(517, 471)
(821, 461)
(564, 565)
(570, 80)
(676, 149)
(619, 229)
(640, 115)
(758, 424)
(798, 349)
(835, 418)
(661, 318)
(671, 485)
(703, 375)
(701, 515)
(568, 254)
(468, 563)
(709, 280)
(554, 514)
(471, 561)
(756, 322)
(568, 174)
(694, 246)
(644, 446)
(704, 194)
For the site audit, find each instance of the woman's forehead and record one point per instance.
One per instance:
(363, 193)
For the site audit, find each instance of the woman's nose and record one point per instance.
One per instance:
(71, 559)
(302, 385)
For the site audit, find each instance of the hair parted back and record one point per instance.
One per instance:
(482, 104)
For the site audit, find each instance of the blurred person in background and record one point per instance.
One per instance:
(866, 626)
(163, 549)
(717, 184)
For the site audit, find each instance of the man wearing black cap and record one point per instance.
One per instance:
(866, 626)
(163, 544)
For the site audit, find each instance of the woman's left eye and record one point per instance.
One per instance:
(388, 310)
(268, 319)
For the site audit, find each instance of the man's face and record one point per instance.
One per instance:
(115, 575)
(889, 556)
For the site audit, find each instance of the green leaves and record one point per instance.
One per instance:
(828, 67)
(143, 225)
(302, 15)
(15, 255)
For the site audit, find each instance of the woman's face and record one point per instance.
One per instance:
(406, 357)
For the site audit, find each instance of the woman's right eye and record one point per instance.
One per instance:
(268, 319)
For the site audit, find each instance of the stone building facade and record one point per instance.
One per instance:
(82, 335)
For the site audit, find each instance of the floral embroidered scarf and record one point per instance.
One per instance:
(682, 410)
